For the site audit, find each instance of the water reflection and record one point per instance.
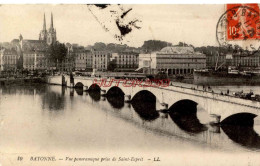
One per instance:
(184, 114)
(79, 91)
(30, 89)
(188, 122)
(182, 124)
(116, 101)
(63, 90)
(243, 135)
(115, 97)
(52, 100)
(71, 92)
(146, 110)
(94, 95)
(144, 104)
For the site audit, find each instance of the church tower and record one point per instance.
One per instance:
(51, 36)
(43, 33)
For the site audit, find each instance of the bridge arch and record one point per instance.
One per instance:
(94, 87)
(79, 85)
(145, 105)
(242, 119)
(115, 97)
(184, 106)
(243, 135)
(115, 91)
(94, 92)
(145, 95)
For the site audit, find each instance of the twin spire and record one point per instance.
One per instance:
(48, 36)
(51, 21)
(44, 22)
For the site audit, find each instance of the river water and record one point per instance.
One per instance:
(58, 121)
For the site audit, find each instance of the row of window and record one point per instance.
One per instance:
(83, 58)
(101, 55)
(9, 57)
(181, 64)
(42, 65)
(33, 55)
(128, 57)
(131, 60)
(127, 66)
(125, 63)
(99, 66)
(9, 61)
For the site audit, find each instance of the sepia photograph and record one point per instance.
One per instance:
(91, 84)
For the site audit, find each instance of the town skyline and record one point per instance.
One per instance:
(78, 25)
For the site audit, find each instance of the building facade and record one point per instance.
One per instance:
(101, 60)
(144, 64)
(68, 64)
(8, 60)
(237, 60)
(126, 61)
(29, 54)
(172, 60)
(215, 59)
(83, 60)
(252, 61)
(35, 60)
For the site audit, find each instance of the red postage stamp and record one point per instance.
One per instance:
(242, 21)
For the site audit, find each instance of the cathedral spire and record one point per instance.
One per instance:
(44, 22)
(51, 21)
(51, 35)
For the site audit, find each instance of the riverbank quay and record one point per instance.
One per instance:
(21, 81)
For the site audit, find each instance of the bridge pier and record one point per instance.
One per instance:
(215, 119)
(71, 85)
(164, 115)
(103, 98)
(127, 98)
(103, 92)
(163, 107)
(214, 129)
(85, 88)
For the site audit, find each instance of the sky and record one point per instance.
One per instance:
(85, 25)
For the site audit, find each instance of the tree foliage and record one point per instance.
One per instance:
(112, 65)
(184, 44)
(154, 45)
(56, 52)
(99, 46)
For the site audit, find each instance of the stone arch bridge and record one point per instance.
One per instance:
(222, 108)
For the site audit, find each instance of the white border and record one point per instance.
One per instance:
(125, 1)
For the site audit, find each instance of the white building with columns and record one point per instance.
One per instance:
(172, 60)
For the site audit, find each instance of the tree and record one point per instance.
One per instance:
(112, 65)
(184, 44)
(154, 45)
(56, 52)
(111, 46)
(99, 46)
(19, 63)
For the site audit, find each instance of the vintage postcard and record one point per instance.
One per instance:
(130, 84)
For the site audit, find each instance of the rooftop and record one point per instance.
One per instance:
(177, 50)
